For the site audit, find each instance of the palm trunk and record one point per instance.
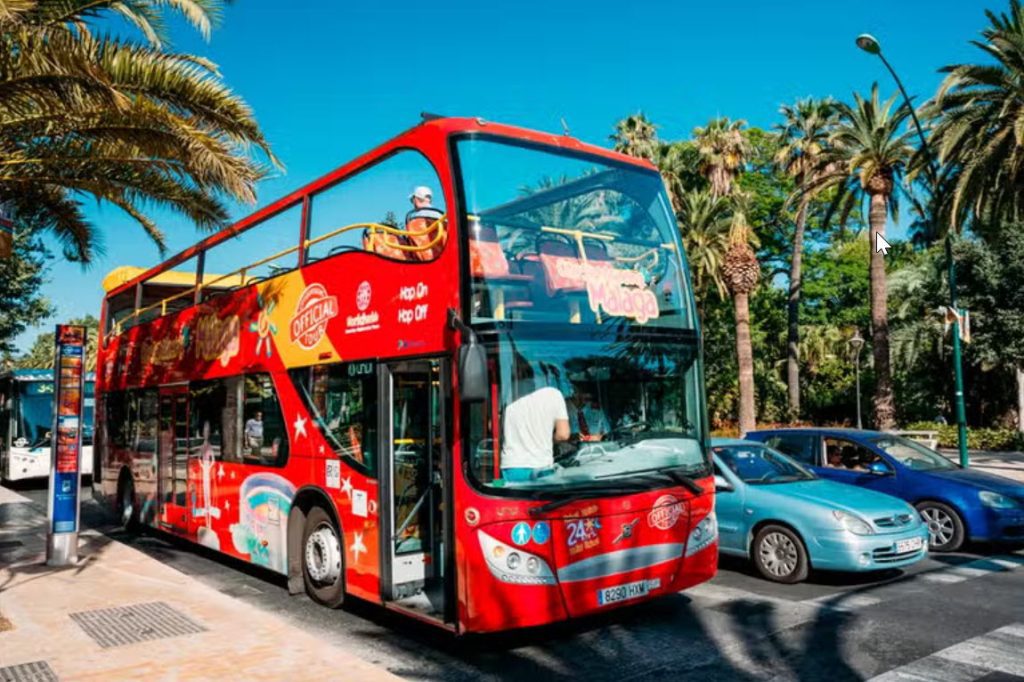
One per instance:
(1020, 398)
(885, 408)
(793, 343)
(745, 360)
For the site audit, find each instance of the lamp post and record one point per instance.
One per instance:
(870, 44)
(857, 343)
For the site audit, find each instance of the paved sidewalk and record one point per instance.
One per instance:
(191, 631)
(1007, 464)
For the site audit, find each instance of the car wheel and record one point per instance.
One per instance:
(127, 509)
(779, 555)
(323, 560)
(945, 528)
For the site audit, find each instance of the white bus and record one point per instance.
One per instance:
(26, 420)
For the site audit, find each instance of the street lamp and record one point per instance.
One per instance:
(857, 343)
(870, 44)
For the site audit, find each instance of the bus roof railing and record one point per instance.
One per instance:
(239, 276)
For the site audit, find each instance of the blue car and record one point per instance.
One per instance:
(785, 519)
(957, 504)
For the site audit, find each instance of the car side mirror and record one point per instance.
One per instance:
(880, 469)
(722, 485)
(472, 364)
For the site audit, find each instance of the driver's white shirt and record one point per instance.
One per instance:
(529, 429)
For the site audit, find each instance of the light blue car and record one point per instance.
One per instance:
(787, 520)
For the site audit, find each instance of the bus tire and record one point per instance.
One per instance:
(127, 504)
(323, 559)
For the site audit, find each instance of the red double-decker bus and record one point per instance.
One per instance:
(460, 377)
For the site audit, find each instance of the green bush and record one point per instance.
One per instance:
(977, 439)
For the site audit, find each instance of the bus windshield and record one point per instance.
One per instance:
(555, 236)
(632, 404)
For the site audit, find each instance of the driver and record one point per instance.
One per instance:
(586, 416)
(534, 423)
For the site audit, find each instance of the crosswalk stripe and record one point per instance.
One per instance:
(974, 569)
(844, 601)
(997, 651)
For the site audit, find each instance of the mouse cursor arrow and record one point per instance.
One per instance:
(881, 246)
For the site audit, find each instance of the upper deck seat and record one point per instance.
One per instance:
(492, 272)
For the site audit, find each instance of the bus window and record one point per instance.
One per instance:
(213, 418)
(342, 401)
(395, 208)
(263, 251)
(144, 426)
(264, 436)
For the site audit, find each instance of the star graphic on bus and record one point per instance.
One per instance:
(346, 486)
(263, 327)
(357, 547)
(220, 472)
(300, 426)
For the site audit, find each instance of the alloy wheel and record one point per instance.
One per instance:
(940, 526)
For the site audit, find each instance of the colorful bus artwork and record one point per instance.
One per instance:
(26, 424)
(333, 387)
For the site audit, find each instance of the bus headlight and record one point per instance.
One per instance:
(702, 535)
(513, 565)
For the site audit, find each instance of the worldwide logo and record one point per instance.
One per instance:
(363, 294)
(312, 313)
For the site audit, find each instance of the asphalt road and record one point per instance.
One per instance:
(951, 617)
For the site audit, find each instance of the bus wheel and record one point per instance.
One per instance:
(322, 559)
(127, 510)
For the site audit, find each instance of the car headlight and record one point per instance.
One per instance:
(512, 565)
(702, 535)
(997, 501)
(851, 523)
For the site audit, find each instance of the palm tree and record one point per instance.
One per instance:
(119, 120)
(636, 136)
(679, 165)
(867, 157)
(979, 126)
(704, 221)
(804, 136)
(741, 272)
(723, 151)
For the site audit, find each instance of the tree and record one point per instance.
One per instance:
(704, 221)
(723, 151)
(120, 120)
(804, 133)
(636, 136)
(741, 272)
(40, 353)
(679, 165)
(867, 157)
(21, 279)
(978, 114)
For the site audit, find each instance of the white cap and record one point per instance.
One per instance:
(422, 192)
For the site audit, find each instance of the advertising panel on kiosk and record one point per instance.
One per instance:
(62, 544)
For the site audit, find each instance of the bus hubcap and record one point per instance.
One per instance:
(126, 506)
(323, 556)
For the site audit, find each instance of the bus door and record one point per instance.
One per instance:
(416, 575)
(172, 456)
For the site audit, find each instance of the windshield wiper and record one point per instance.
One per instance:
(672, 472)
(584, 494)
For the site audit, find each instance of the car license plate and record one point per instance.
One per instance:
(640, 588)
(909, 545)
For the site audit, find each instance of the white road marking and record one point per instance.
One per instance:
(975, 569)
(994, 652)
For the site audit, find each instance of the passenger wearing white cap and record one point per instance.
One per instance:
(422, 224)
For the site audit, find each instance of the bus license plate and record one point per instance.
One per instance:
(910, 545)
(640, 588)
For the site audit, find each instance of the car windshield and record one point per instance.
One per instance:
(913, 455)
(561, 237)
(633, 409)
(759, 465)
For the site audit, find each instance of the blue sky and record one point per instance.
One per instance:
(328, 82)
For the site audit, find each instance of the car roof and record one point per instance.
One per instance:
(835, 430)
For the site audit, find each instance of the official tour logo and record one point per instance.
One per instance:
(312, 313)
(666, 512)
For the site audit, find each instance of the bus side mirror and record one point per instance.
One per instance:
(473, 384)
